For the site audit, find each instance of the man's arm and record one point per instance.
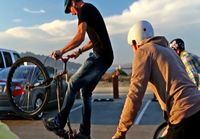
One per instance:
(88, 46)
(141, 70)
(77, 40)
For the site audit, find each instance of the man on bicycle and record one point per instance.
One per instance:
(86, 78)
(156, 63)
(191, 61)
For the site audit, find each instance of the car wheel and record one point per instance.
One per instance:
(39, 116)
(38, 103)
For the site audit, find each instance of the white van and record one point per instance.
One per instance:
(7, 57)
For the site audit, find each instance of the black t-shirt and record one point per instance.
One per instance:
(96, 31)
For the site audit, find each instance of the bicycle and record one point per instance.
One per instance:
(158, 134)
(38, 80)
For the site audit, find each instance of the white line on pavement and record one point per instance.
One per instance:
(76, 108)
(137, 121)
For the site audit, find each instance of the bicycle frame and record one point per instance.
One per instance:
(64, 60)
(71, 133)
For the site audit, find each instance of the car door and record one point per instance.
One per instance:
(8, 59)
(2, 65)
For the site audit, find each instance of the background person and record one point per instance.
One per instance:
(156, 63)
(87, 77)
(191, 61)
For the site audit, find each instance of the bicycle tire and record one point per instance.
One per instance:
(23, 101)
(159, 130)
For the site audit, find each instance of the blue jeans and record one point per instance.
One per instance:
(85, 79)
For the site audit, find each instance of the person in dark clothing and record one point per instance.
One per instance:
(86, 78)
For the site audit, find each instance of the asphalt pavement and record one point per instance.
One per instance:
(105, 116)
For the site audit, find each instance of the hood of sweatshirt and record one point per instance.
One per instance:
(159, 40)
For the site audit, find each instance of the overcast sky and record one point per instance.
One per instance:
(41, 26)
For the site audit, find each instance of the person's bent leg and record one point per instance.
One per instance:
(57, 123)
(86, 116)
(98, 70)
(67, 104)
(176, 131)
(192, 125)
(85, 126)
(186, 129)
(76, 82)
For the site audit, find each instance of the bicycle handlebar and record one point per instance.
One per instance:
(66, 59)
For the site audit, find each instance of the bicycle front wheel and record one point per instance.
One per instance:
(26, 98)
(158, 134)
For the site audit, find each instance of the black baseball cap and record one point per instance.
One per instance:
(67, 5)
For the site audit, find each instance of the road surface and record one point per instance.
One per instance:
(105, 116)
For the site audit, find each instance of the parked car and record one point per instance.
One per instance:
(22, 74)
(7, 57)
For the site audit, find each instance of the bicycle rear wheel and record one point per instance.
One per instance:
(159, 131)
(27, 99)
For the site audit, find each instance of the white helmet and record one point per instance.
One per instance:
(140, 31)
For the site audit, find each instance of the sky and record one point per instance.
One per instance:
(42, 26)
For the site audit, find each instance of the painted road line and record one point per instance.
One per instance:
(76, 108)
(137, 121)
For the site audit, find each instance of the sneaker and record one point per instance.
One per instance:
(52, 125)
(81, 136)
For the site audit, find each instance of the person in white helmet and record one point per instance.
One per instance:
(155, 62)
